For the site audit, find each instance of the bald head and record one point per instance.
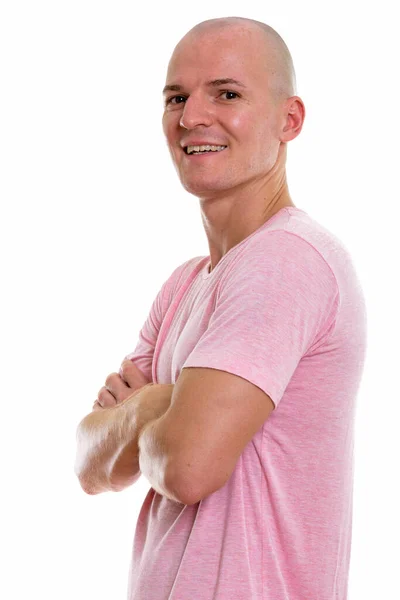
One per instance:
(276, 59)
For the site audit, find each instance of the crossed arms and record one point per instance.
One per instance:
(185, 438)
(107, 456)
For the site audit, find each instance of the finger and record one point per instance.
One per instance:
(133, 375)
(105, 398)
(117, 387)
(97, 406)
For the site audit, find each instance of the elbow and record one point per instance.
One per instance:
(86, 477)
(89, 489)
(87, 483)
(189, 497)
(195, 489)
(182, 492)
(91, 486)
(87, 467)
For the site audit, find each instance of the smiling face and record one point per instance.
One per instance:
(218, 94)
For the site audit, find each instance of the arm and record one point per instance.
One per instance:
(107, 454)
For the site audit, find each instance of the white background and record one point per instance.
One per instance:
(94, 219)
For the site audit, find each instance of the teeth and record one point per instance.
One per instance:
(207, 148)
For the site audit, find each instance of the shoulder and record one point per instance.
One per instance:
(179, 276)
(186, 269)
(278, 255)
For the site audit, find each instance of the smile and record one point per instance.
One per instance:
(203, 149)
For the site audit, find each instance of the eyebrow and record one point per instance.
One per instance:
(214, 83)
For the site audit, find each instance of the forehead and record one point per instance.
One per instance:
(235, 52)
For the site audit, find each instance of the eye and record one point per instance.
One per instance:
(229, 92)
(170, 100)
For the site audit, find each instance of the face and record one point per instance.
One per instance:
(205, 109)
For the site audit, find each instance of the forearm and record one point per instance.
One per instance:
(155, 457)
(108, 453)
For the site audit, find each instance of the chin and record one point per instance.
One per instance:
(203, 186)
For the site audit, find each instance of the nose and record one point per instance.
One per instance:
(196, 112)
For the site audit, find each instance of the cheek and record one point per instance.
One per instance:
(166, 125)
(240, 124)
(250, 129)
(170, 123)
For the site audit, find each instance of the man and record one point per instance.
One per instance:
(238, 402)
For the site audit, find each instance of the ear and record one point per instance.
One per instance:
(294, 113)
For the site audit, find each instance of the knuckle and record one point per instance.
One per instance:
(109, 378)
(105, 398)
(102, 393)
(126, 365)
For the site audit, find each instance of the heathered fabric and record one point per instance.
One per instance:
(283, 309)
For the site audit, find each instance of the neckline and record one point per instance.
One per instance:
(207, 274)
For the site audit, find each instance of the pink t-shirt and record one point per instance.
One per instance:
(283, 309)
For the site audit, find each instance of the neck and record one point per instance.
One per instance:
(229, 218)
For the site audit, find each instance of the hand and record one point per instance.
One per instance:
(120, 386)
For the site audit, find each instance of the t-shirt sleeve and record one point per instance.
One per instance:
(143, 354)
(278, 298)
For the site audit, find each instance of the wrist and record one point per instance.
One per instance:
(136, 412)
(150, 404)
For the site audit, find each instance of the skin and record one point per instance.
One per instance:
(120, 386)
(108, 438)
(243, 186)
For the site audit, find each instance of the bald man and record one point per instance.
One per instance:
(238, 403)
